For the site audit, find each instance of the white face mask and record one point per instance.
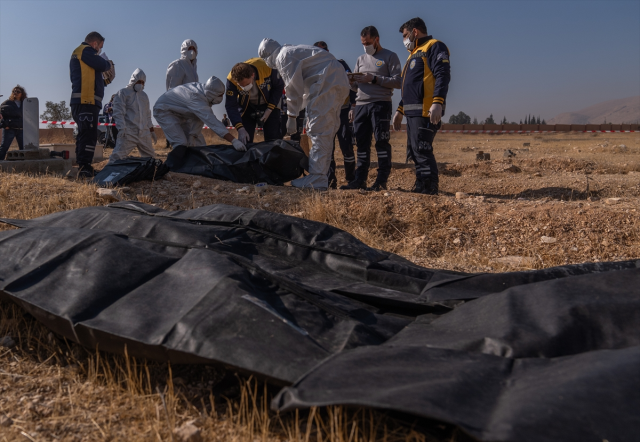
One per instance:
(410, 45)
(99, 51)
(248, 87)
(191, 55)
(138, 87)
(369, 49)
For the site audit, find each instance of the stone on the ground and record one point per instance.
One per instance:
(512, 169)
(612, 201)
(509, 153)
(548, 239)
(196, 184)
(456, 241)
(110, 195)
(537, 174)
(515, 261)
(188, 433)
(7, 341)
(461, 195)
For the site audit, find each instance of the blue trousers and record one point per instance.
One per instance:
(373, 119)
(7, 139)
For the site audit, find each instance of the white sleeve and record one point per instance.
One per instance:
(147, 110)
(201, 109)
(175, 75)
(294, 91)
(119, 110)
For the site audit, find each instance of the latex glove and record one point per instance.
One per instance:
(351, 113)
(266, 115)
(243, 135)
(237, 145)
(154, 137)
(397, 121)
(435, 111)
(366, 78)
(292, 125)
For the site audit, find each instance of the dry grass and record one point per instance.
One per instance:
(55, 390)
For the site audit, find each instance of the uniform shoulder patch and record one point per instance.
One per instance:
(443, 56)
(412, 64)
(379, 63)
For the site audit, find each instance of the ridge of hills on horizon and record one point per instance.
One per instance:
(619, 111)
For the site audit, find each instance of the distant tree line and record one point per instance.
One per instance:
(462, 118)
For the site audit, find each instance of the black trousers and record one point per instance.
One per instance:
(86, 118)
(7, 139)
(271, 127)
(420, 135)
(373, 119)
(345, 141)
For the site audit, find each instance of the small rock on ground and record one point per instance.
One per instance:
(7, 341)
(108, 194)
(461, 195)
(548, 239)
(188, 433)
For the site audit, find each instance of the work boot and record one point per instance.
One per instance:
(377, 186)
(353, 185)
(350, 171)
(433, 187)
(333, 183)
(419, 186)
(86, 171)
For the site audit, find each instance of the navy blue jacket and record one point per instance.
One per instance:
(268, 81)
(85, 69)
(11, 114)
(425, 78)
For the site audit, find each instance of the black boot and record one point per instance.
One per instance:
(350, 171)
(355, 184)
(419, 186)
(433, 186)
(377, 186)
(86, 171)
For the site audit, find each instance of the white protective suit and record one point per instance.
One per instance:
(183, 70)
(182, 111)
(314, 79)
(132, 115)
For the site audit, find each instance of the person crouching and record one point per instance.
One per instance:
(132, 115)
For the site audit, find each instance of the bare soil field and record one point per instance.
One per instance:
(563, 198)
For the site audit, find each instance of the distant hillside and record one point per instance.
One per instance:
(624, 110)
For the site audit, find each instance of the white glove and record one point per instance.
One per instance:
(154, 137)
(266, 115)
(292, 125)
(435, 111)
(397, 121)
(237, 145)
(243, 135)
(351, 114)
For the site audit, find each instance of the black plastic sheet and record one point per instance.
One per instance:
(129, 170)
(544, 355)
(274, 162)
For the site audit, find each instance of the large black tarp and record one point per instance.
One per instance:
(526, 356)
(274, 162)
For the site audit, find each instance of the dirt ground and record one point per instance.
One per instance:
(563, 198)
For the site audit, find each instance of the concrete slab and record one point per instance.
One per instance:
(57, 166)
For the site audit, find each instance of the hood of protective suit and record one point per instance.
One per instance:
(137, 75)
(268, 51)
(214, 90)
(185, 48)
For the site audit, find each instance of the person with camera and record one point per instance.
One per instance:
(11, 111)
(254, 91)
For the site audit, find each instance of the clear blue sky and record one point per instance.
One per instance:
(508, 58)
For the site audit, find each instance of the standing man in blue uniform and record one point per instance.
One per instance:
(345, 132)
(87, 91)
(254, 92)
(425, 83)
